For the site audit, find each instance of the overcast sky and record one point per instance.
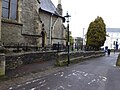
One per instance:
(84, 11)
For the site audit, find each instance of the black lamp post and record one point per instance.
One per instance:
(68, 43)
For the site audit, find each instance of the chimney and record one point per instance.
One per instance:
(59, 1)
(59, 7)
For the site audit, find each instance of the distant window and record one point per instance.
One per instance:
(9, 9)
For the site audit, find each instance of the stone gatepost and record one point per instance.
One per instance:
(0, 16)
(2, 64)
(2, 56)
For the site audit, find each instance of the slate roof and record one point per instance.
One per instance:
(113, 30)
(48, 6)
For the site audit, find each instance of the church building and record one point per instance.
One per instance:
(32, 23)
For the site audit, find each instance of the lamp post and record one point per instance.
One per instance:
(68, 43)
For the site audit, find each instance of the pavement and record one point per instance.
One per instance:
(28, 72)
(30, 68)
(95, 74)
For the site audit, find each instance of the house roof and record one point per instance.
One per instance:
(48, 6)
(113, 30)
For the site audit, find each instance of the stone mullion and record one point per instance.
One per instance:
(9, 10)
(19, 11)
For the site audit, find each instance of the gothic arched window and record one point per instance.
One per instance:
(9, 9)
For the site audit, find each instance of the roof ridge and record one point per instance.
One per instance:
(47, 5)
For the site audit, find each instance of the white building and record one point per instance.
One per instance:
(112, 38)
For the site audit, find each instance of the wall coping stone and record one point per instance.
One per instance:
(24, 53)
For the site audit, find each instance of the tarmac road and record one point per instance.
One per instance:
(94, 74)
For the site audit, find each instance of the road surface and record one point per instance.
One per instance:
(94, 74)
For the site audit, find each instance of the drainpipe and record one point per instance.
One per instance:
(55, 23)
(52, 28)
(52, 25)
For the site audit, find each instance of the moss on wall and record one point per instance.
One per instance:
(2, 72)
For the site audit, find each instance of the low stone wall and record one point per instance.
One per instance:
(62, 58)
(118, 60)
(15, 60)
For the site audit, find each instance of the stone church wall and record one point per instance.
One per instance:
(30, 23)
(11, 33)
(54, 23)
(27, 28)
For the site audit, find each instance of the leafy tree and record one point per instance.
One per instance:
(96, 34)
